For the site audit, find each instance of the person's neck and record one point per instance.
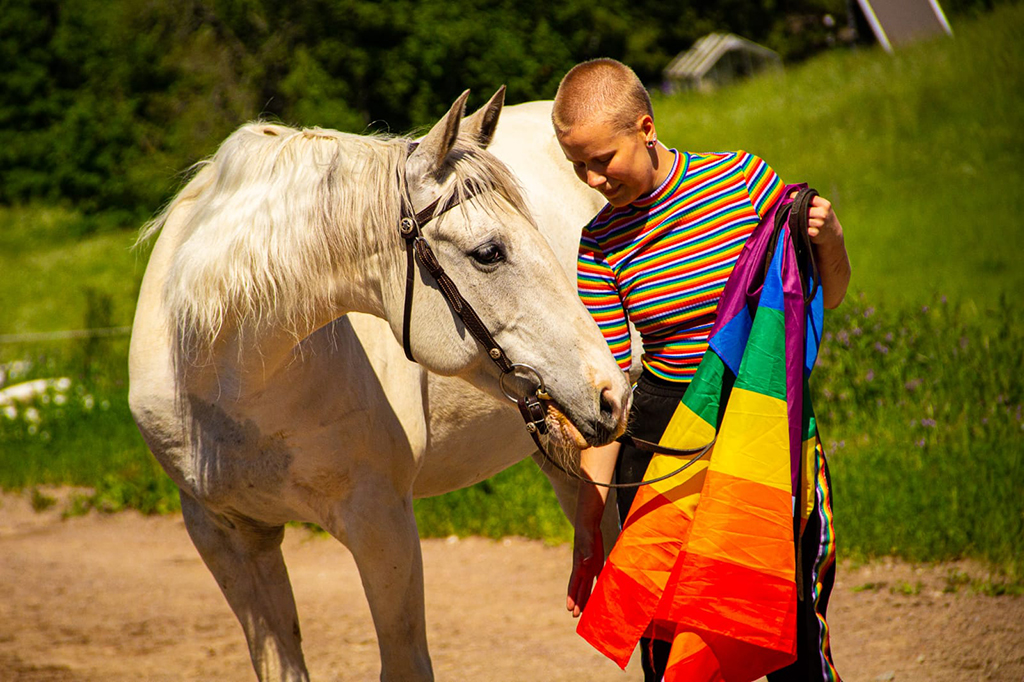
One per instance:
(663, 164)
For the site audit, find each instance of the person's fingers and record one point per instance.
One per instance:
(574, 582)
(583, 595)
(581, 583)
(575, 600)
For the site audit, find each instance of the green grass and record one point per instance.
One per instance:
(922, 418)
(920, 409)
(53, 259)
(920, 151)
(518, 501)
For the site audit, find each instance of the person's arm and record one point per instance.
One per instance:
(597, 288)
(597, 464)
(826, 233)
(824, 229)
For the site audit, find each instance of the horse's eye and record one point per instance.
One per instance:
(488, 254)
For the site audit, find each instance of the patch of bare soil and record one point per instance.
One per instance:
(126, 597)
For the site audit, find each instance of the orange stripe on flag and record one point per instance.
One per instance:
(747, 523)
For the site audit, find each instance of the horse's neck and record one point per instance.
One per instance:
(251, 356)
(358, 271)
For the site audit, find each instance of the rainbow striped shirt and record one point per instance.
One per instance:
(662, 262)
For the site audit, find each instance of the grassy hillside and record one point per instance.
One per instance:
(921, 152)
(919, 388)
(51, 269)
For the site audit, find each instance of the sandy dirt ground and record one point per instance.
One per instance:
(126, 597)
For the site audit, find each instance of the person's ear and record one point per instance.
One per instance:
(647, 131)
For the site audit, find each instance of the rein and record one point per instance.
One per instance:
(530, 406)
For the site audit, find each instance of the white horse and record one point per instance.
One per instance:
(266, 401)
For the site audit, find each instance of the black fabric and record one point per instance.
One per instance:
(809, 666)
(654, 402)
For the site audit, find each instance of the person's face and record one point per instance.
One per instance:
(617, 164)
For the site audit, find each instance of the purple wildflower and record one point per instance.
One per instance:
(920, 443)
(884, 350)
(928, 423)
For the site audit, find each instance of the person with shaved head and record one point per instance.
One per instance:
(658, 255)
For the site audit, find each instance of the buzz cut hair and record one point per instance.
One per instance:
(604, 90)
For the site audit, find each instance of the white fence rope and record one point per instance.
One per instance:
(62, 335)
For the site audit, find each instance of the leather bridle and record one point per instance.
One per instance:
(418, 248)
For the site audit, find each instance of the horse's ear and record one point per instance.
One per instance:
(480, 125)
(433, 149)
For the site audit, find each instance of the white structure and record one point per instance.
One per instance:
(898, 22)
(716, 59)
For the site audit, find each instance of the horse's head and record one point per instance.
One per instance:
(492, 250)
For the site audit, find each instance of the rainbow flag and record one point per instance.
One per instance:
(708, 559)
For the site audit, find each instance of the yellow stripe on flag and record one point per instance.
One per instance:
(683, 489)
(686, 430)
(753, 441)
(808, 461)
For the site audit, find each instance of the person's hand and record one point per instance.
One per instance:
(833, 262)
(587, 560)
(823, 225)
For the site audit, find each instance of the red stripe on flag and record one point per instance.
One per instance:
(705, 594)
(617, 614)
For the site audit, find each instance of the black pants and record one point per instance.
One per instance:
(654, 402)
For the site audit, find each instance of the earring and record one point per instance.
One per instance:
(650, 144)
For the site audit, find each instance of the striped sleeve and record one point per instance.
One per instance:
(763, 183)
(595, 282)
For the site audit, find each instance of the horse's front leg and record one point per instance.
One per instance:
(377, 524)
(246, 560)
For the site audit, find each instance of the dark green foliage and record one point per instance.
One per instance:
(102, 105)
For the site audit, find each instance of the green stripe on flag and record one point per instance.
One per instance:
(705, 391)
(763, 368)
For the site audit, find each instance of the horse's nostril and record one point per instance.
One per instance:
(609, 405)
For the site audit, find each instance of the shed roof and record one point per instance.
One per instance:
(702, 56)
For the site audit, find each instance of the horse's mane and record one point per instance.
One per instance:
(274, 216)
